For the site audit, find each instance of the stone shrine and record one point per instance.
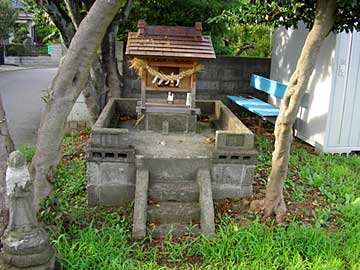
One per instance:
(169, 152)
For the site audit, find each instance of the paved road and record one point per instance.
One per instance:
(21, 94)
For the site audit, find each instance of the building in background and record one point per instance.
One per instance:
(25, 21)
(329, 115)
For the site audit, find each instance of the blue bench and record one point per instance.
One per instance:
(261, 108)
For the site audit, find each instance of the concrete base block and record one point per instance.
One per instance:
(110, 183)
(234, 174)
(247, 157)
(111, 195)
(116, 195)
(93, 196)
(223, 191)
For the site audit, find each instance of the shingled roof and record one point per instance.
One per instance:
(169, 41)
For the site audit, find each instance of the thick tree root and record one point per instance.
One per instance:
(270, 208)
(275, 208)
(257, 205)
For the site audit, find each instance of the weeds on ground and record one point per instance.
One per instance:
(322, 229)
(28, 151)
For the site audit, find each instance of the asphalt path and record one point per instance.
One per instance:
(21, 93)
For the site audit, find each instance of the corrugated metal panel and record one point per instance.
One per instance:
(344, 129)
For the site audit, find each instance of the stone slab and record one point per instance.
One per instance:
(140, 205)
(175, 230)
(223, 191)
(234, 140)
(172, 169)
(207, 221)
(178, 191)
(174, 212)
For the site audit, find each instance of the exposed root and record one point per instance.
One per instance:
(269, 208)
(275, 208)
(257, 205)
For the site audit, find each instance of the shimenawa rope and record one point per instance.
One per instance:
(139, 65)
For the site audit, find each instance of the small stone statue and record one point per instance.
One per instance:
(170, 98)
(25, 243)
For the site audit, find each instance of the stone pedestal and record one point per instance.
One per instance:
(25, 242)
(28, 250)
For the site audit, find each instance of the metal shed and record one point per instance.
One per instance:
(329, 117)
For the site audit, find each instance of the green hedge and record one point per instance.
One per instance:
(26, 50)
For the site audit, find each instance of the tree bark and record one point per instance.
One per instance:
(73, 8)
(92, 101)
(98, 74)
(114, 81)
(274, 203)
(60, 18)
(66, 87)
(6, 147)
(67, 22)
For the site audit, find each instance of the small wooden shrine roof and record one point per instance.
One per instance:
(169, 41)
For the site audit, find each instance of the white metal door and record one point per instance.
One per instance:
(344, 129)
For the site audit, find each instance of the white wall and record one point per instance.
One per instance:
(312, 117)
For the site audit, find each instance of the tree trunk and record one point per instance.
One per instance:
(6, 147)
(60, 18)
(66, 87)
(113, 80)
(67, 22)
(274, 203)
(98, 74)
(92, 101)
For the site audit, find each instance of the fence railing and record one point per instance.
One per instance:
(27, 50)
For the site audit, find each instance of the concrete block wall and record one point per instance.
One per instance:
(226, 75)
(39, 61)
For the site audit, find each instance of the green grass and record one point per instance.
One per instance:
(99, 238)
(28, 151)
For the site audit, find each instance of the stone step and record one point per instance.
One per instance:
(180, 191)
(173, 169)
(173, 212)
(175, 230)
